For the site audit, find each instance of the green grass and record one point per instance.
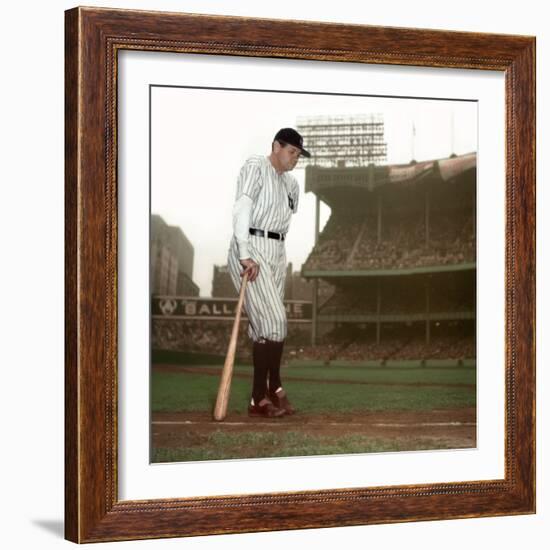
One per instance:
(173, 392)
(220, 445)
(386, 375)
(194, 392)
(173, 357)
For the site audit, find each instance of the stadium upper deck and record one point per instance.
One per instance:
(387, 220)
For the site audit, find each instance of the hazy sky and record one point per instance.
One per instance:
(201, 137)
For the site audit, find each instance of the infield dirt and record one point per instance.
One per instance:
(435, 429)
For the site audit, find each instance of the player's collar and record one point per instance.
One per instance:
(281, 175)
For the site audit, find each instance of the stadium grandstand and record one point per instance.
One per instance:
(399, 251)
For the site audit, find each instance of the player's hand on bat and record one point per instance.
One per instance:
(251, 267)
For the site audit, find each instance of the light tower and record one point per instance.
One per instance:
(343, 141)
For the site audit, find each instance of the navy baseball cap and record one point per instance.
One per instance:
(292, 137)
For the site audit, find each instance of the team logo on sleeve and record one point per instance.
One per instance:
(290, 202)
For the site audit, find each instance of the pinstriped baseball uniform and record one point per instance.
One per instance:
(274, 198)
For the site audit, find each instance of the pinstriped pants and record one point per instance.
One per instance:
(264, 297)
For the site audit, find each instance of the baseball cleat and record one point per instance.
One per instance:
(267, 410)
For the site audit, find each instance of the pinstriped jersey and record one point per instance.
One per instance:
(274, 196)
(273, 200)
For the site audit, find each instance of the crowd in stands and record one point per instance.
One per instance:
(342, 302)
(350, 242)
(212, 337)
(193, 336)
(394, 348)
(343, 343)
(397, 299)
(335, 242)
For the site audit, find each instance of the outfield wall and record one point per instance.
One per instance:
(403, 363)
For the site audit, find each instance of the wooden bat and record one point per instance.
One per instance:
(220, 410)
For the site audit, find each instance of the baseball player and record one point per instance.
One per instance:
(267, 196)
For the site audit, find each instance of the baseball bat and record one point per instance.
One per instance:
(220, 410)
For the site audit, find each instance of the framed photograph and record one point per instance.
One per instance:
(364, 362)
(397, 383)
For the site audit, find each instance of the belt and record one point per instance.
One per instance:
(270, 234)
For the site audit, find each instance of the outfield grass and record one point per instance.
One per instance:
(358, 389)
(384, 375)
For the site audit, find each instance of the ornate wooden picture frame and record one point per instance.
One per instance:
(93, 510)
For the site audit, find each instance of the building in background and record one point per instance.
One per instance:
(296, 286)
(172, 257)
(222, 285)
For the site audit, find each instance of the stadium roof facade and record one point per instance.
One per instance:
(370, 178)
(348, 272)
